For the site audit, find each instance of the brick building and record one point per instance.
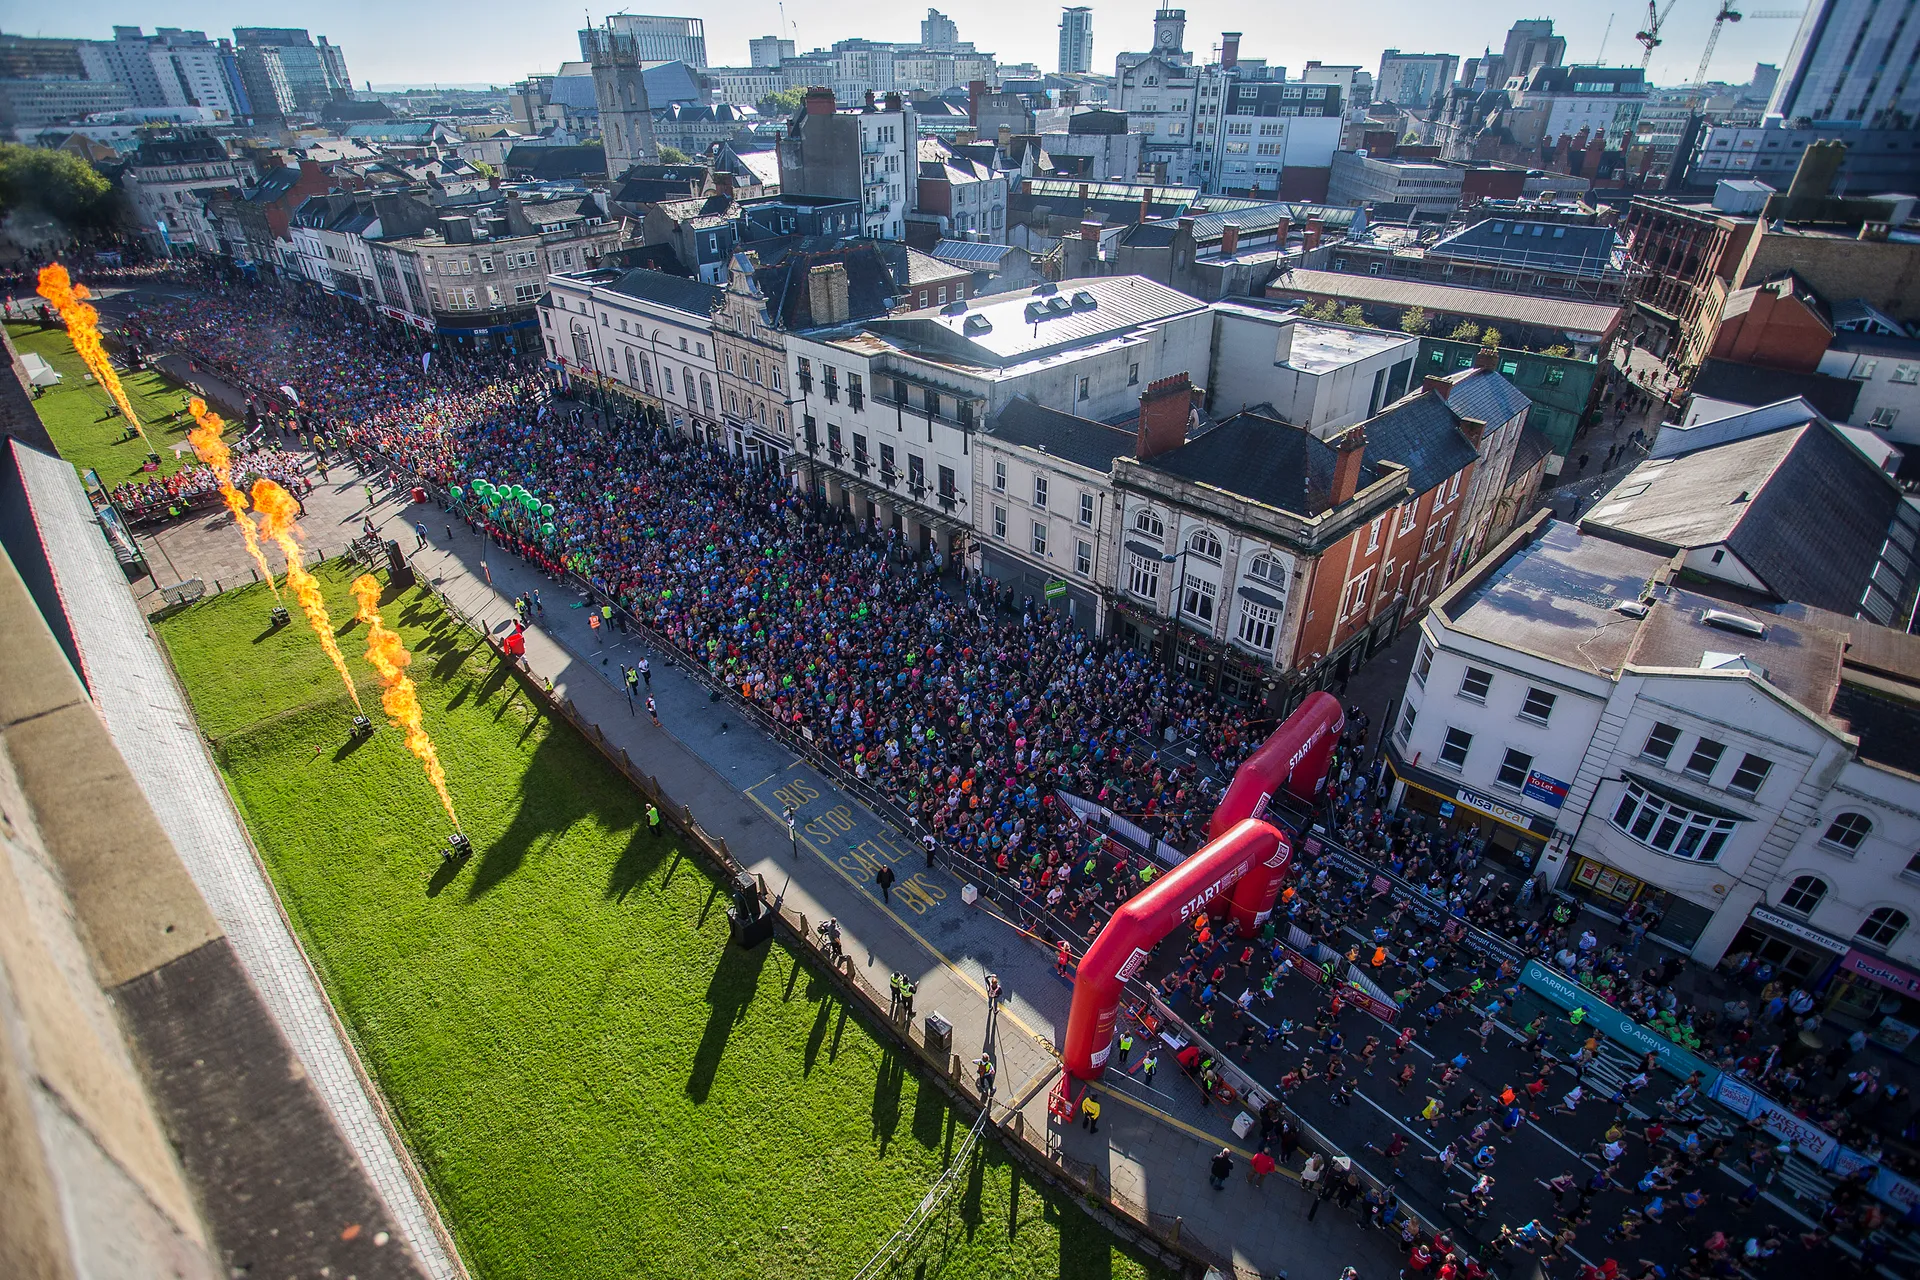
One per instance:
(1265, 562)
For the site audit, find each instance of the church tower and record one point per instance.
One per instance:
(626, 118)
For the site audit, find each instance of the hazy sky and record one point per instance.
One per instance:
(497, 41)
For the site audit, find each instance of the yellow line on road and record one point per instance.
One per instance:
(1175, 1121)
(911, 932)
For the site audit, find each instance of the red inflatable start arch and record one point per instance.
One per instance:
(1244, 861)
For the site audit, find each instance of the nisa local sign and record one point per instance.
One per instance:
(1493, 808)
(1616, 1026)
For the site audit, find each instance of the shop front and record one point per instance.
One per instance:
(1881, 996)
(1510, 836)
(1800, 954)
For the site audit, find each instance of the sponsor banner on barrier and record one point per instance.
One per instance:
(1747, 1102)
(1358, 996)
(1609, 1021)
(1429, 911)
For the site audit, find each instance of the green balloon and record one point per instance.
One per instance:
(546, 509)
(547, 529)
(454, 490)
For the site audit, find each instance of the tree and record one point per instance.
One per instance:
(1415, 320)
(1490, 339)
(672, 155)
(787, 100)
(485, 170)
(1465, 331)
(1353, 315)
(57, 183)
(1559, 350)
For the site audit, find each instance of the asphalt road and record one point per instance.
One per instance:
(1546, 1144)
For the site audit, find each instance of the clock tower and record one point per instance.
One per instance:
(1170, 33)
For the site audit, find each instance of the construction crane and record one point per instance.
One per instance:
(1729, 14)
(1650, 38)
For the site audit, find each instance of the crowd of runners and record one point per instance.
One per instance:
(971, 710)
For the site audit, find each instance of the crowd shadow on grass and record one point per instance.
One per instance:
(734, 983)
(886, 1096)
(554, 796)
(636, 863)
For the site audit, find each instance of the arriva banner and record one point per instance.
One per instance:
(1617, 1026)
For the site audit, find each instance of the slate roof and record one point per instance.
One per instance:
(559, 162)
(1756, 385)
(1421, 433)
(1261, 459)
(1532, 446)
(1799, 506)
(1554, 246)
(1485, 396)
(1081, 441)
(783, 282)
(691, 296)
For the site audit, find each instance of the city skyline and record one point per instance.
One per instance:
(467, 44)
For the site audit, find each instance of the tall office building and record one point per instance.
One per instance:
(284, 71)
(768, 51)
(620, 92)
(1076, 41)
(1530, 45)
(663, 39)
(938, 31)
(171, 68)
(1853, 62)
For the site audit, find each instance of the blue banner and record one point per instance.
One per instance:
(1617, 1026)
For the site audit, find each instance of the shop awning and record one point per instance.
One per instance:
(1260, 597)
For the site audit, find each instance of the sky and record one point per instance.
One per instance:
(500, 41)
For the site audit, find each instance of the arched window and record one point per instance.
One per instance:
(1848, 830)
(1883, 926)
(1804, 894)
(1268, 570)
(1149, 523)
(1204, 545)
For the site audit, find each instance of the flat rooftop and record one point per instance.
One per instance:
(1322, 348)
(1559, 597)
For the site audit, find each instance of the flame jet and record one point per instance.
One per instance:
(83, 327)
(277, 510)
(206, 441)
(390, 658)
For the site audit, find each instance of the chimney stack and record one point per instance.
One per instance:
(1166, 406)
(827, 293)
(1350, 448)
(1229, 239)
(1438, 385)
(1311, 238)
(1229, 49)
(893, 101)
(1090, 230)
(975, 88)
(870, 97)
(1486, 358)
(1004, 136)
(819, 101)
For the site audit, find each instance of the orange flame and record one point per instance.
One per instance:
(206, 441)
(390, 658)
(277, 511)
(83, 327)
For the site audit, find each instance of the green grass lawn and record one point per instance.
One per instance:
(75, 411)
(595, 1084)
